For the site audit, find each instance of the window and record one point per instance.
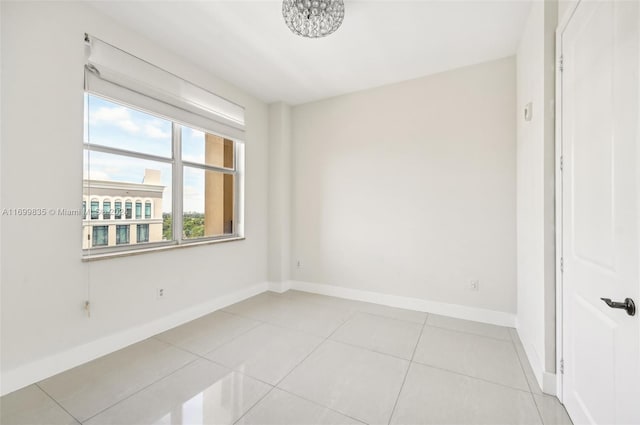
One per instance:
(122, 234)
(142, 233)
(118, 210)
(208, 179)
(100, 235)
(207, 197)
(166, 152)
(106, 210)
(95, 210)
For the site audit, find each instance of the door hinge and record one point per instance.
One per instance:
(561, 162)
(562, 366)
(561, 64)
(561, 265)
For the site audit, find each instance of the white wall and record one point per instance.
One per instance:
(44, 281)
(409, 189)
(535, 206)
(279, 194)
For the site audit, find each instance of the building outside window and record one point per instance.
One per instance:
(147, 210)
(106, 210)
(118, 208)
(127, 210)
(100, 235)
(138, 210)
(142, 233)
(122, 234)
(95, 210)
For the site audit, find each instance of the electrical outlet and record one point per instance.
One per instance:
(160, 293)
(474, 285)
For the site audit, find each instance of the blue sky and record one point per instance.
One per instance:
(117, 126)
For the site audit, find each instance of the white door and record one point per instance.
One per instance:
(601, 214)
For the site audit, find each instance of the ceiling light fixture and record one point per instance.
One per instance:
(313, 18)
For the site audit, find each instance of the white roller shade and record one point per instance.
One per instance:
(120, 76)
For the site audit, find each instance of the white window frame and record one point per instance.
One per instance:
(177, 186)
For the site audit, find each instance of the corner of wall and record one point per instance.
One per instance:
(279, 192)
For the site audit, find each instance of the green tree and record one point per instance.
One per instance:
(167, 226)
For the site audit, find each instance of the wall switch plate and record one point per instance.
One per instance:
(474, 285)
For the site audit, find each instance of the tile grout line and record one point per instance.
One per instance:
(312, 351)
(292, 369)
(471, 377)
(246, 331)
(202, 357)
(349, 315)
(37, 384)
(473, 333)
(141, 389)
(369, 349)
(424, 325)
(279, 325)
(526, 378)
(132, 394)
(271, 386)
(322, 405)
(253, 405)
(356, 310)
(395, 405)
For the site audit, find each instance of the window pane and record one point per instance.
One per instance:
(118, 126)
(100, 235)
(95, 206)
(147, 210)
(122, 234)
(106, 210)
(127, 181)
(205, 148)
(207, 203)
(142, 233)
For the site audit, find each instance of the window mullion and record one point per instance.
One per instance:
(177, 182)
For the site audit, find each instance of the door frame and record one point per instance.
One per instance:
(563, 21)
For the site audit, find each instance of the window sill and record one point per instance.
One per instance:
(117, 254)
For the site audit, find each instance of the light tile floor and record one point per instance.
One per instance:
(299, 358)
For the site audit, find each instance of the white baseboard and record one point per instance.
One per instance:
(279, 287)
(547, 381)
(458, 311)
(40, 369)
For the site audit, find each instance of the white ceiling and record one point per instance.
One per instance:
(380, 42)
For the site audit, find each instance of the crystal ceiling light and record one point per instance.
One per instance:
(313, 18)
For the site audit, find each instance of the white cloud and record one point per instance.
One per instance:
(97, 175)
(154, 131)
(118, 116)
